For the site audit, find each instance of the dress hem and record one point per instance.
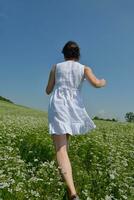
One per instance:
(74, 134)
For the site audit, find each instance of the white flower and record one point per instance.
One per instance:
(35, 160)
(36, 194)
(112, 176)
(124, 197)
(108, 197)
(3, 185)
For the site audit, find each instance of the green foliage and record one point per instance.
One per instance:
(102, 161)
(99, 118)
(129, 117)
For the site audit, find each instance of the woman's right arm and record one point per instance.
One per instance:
(51, 81)
(93, 79)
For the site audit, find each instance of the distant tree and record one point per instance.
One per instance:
(129, 117)
(114, 120)
(96, 117)
(105, 119)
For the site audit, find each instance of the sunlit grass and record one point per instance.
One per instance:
(102, 161)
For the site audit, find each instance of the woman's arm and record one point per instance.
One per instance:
(51, 81)
(93, 79)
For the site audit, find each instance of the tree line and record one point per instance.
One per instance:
(129, 117)
(99, 118)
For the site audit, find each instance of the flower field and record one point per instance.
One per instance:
(102, 161)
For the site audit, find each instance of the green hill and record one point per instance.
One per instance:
(102, 161)
(14, 109)
(5, 99)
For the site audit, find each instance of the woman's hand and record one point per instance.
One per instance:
(103, 82)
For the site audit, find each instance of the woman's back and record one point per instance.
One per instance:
(69, 74)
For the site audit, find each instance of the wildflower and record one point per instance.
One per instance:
(3, 185)
(108, 197)
(112, 176)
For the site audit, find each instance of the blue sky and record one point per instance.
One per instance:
(32, 34)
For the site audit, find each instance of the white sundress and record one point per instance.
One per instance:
(66, 110)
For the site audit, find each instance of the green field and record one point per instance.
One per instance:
(102, 161)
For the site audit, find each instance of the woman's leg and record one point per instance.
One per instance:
(61, 147)
(68, 136)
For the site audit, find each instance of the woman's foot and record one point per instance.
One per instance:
(74, 197)
(71, 196)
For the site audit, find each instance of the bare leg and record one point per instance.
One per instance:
(61, 146)
(67, 136)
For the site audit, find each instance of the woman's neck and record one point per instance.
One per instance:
(66, 59)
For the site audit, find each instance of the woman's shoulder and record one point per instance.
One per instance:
(60, 63)
(56, 65)
(86, 67)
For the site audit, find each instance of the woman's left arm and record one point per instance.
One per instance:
(51, 81)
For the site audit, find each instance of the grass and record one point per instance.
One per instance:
(102, 161)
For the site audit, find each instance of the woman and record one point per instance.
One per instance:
(67, 115)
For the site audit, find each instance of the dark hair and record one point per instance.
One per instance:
(71, 50)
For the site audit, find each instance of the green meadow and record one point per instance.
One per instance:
(102, 161)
